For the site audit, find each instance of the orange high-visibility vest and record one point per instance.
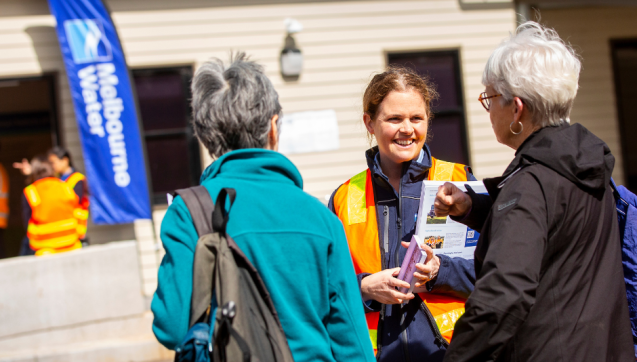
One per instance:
(355, 207)
(55, 212)
(4, 198)
(72, 180)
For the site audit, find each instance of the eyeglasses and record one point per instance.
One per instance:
(485, 100)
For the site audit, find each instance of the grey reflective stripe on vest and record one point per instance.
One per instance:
(386, 227)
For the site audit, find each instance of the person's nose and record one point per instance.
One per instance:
(406, 127)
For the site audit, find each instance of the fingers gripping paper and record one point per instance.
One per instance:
(442, 234)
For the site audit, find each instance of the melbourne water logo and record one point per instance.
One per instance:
(87, 41)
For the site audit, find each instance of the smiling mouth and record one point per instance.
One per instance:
(404, 143)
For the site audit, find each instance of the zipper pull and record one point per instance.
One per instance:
(400, 223)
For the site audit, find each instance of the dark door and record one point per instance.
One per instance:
(28, 127)
(625, 66)
(173, 152)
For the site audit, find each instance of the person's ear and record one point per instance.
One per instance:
(273, 135)
(518, 107)
(368, 123)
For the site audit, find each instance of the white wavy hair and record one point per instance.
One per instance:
(535, 65)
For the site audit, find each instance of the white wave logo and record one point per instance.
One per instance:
(87, 41)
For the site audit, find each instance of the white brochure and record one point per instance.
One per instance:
(442, 234)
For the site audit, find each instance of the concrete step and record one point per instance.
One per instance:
(132, 349)
(95, 331)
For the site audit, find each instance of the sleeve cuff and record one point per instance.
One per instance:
(370, 305)
(461, 218)
(443, 273)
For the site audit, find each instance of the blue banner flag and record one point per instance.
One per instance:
(105, 111)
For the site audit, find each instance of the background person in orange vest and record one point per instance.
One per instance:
(4, 206)
(378, 209)
(51, 212)
(60, 160)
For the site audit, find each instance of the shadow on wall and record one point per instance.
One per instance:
(49, 56)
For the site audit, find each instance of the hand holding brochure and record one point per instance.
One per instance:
(415, 255)
(442, 234)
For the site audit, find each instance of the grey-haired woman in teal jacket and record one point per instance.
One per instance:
(297, 245)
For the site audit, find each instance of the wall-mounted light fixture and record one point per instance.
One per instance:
(291, 56)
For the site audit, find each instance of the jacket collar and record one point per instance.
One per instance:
(254, 164)
(413, 172)
(495, 184)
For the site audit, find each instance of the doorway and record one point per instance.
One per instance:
(28, 126)
(625, 69)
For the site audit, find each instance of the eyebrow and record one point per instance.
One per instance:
(401, 115)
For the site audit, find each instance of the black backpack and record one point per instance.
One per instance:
(246, 325)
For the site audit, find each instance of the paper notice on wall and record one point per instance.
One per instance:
(312, 131)
(442, 234)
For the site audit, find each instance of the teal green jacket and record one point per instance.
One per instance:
(295, 242)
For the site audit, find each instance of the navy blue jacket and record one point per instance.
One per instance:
(419, 340)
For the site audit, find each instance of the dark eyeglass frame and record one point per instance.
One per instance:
(485, 100)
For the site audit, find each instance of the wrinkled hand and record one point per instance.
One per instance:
(24, 166)
(381, 287)
(427, 271)
(450, 200)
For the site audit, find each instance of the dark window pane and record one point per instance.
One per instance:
(446, 141)
(169, 166)
(441, 70)
(162, 101)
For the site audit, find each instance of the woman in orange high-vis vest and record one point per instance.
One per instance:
(60, 159)
(51, 211)
(378, 209)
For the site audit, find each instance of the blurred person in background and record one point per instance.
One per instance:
(548, 262)
(378, 208)
(4, 205)
(295, 243)
(51, 211)
(60, 160)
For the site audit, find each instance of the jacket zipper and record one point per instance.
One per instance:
(434, 326)
(399, 212)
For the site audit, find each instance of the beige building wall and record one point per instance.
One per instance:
(343, 44)
(589, 30)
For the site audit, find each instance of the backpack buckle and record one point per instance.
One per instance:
(229, 310)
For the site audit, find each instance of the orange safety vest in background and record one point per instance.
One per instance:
(4, 198)
(72, 180)
(356, 208)
(55, 213)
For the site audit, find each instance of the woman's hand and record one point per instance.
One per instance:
(450, 200)
(427, 271)
(24, 166)
(381, 287)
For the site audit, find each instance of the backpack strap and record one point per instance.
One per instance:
(220, 215)
(199, 203)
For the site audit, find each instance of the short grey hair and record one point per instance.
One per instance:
(233, 106)
(535, 65)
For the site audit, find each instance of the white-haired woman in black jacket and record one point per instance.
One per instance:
(548, 262)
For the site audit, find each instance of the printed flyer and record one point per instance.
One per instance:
(442, 234)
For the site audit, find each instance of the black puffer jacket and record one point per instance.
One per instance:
(548, 262)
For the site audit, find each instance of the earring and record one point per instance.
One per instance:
(521, 128)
